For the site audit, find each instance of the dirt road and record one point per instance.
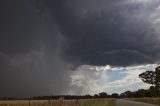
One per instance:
(122, 102)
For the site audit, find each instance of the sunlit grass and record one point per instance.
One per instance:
(85, 102)
(100, 102)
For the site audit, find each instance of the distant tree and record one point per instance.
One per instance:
(122, 95)
(88, 96)
(141, 93)
(152, 77)
(128, 94)
(115, 95)
(152, 91)
(151, 88)
(96, 95)
(103, 95)
(157, 79)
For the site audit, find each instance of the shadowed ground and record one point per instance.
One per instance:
(122, 102)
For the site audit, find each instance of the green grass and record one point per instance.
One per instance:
(85, 102)
(155, 101)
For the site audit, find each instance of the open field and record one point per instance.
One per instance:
(86, 102)
(155, 101)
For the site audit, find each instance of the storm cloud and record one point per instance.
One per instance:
(44, 43)
(108, 32)
(30, 54)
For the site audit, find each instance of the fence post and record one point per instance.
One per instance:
(49, 101)
(29, 102)
(76, 101)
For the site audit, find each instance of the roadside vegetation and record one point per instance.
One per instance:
(155, 101)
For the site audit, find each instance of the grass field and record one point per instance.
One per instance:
(86, 102)
(155, 101)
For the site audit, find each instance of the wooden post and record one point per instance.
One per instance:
(49, 101)
(76, 101)
(29, 102)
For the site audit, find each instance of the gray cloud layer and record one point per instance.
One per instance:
(30, 54)
(107, 32)
(42, 40)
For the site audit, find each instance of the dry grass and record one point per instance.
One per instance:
(87, 102)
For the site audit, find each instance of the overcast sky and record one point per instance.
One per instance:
(52, 47)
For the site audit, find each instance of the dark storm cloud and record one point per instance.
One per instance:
(22, 28)
(30, 52)
(93, 28)
(41, 40)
